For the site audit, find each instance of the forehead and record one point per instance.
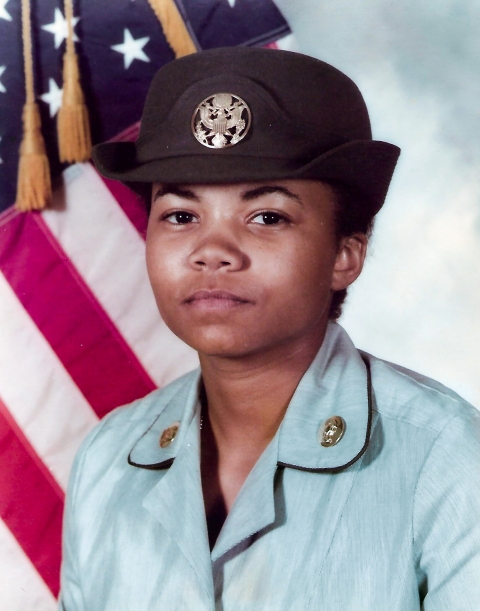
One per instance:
(302, 191)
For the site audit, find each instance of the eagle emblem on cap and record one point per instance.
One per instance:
(221, 120)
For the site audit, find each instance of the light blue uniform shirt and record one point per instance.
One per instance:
(388, 519)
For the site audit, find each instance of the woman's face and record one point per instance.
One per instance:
(241, 269)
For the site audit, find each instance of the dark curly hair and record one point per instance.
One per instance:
(351, 216)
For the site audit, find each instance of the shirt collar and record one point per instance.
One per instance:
(181, 410)
(337, 383)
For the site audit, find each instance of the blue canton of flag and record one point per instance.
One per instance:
(120, 45)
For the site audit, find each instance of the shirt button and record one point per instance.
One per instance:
(169, 435)
(331, 431)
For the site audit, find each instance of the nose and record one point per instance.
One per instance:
(216, 252)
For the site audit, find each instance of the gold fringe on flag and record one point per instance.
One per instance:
(74, 139)
(33, 186)
(173, 27)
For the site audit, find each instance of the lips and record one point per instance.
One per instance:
(216, 295)
(215, 299)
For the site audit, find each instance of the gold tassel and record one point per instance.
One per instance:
(73, 125)
(33, 184)
(173, 27)
(34, 187)
(74, 139)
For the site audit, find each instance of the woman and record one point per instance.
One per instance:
(291, 472)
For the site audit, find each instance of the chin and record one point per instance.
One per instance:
(220, 345)
(217, 341)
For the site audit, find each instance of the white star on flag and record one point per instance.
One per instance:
(131, 48)
(3, 12)
(53, 98)
(59, 28)
(3, 89)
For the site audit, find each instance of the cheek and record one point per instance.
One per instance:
(309, 266)
(164, 268)
(298, 280)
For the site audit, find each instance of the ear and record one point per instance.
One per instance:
(349, 261)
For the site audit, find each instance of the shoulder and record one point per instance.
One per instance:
(418, 401)
(435, 435)
(432, 432)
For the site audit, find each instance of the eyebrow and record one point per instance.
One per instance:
(252, 194)
(178, 191)
(248, 196)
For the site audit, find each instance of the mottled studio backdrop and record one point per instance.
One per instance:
(417, 302)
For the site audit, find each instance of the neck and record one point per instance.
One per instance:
(247, 397)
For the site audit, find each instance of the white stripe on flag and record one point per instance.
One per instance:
(42, 398)
(21, 587)
(109, 254)
(287, 43)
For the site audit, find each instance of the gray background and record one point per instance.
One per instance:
(417, 64)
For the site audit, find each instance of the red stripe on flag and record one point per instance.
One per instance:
(130, 203)
(31, 502)
(77, 328)
(128, 135)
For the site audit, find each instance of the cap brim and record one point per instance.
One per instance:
(363, 164)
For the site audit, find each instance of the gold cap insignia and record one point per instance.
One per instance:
(221, 120)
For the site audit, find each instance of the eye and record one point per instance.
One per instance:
(268, 218)
(180, 217)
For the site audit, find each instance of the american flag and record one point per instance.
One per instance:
(80, 333)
